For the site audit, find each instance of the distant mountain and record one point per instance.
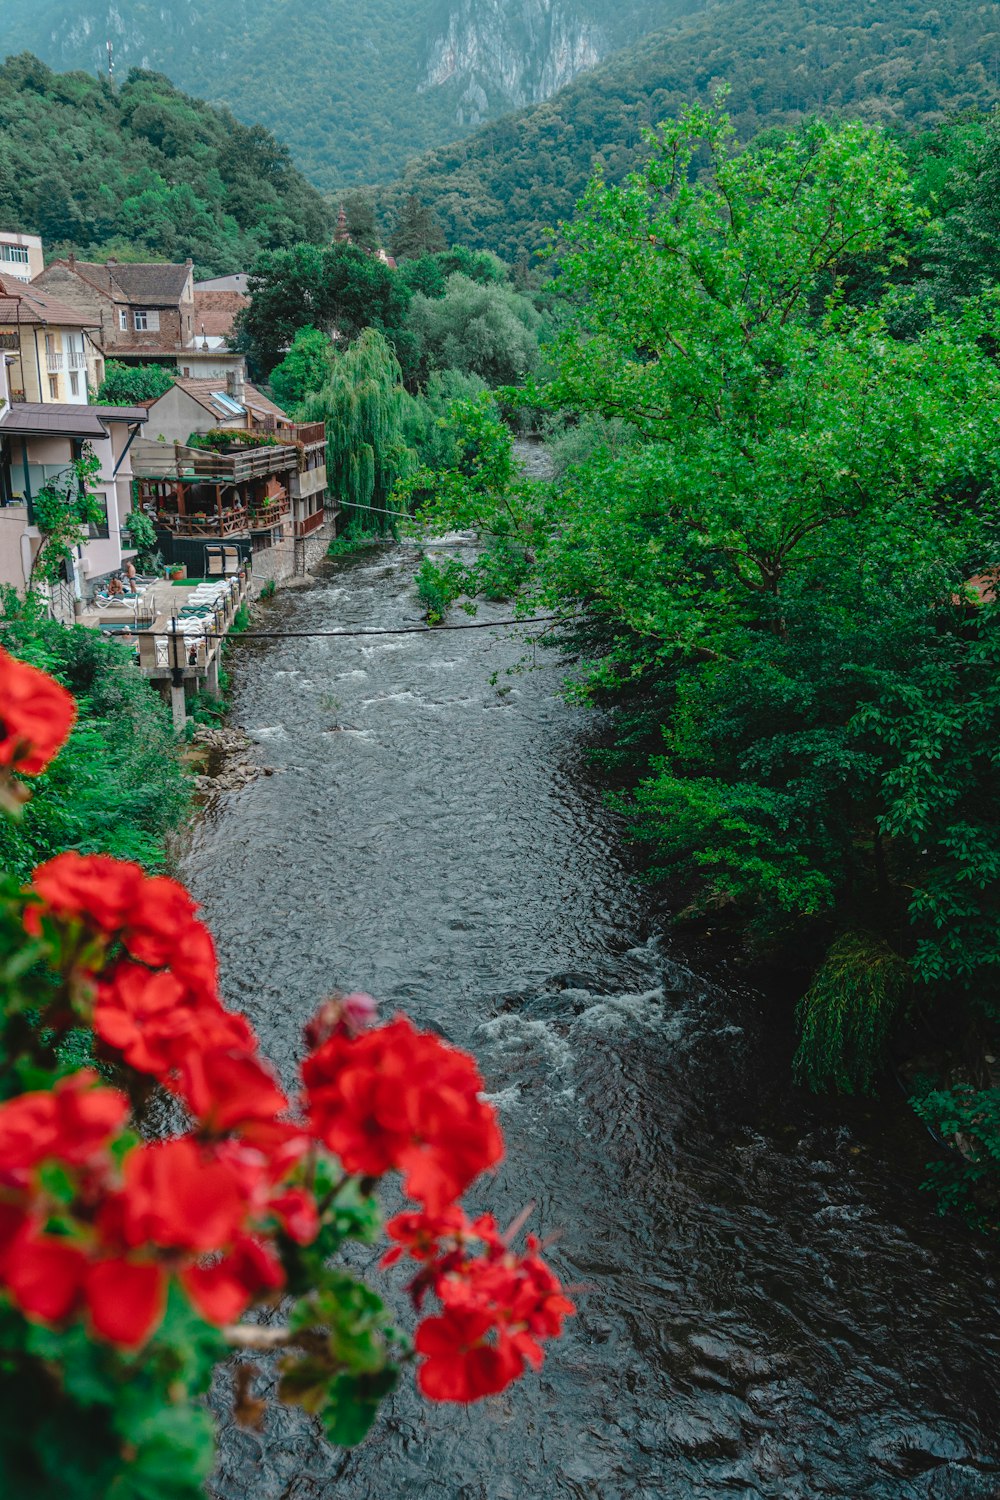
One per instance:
(896, 61)
(354, 87)
(144, 172)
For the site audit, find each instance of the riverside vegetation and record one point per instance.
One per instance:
(772, 543)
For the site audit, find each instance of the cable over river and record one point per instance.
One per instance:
(771, 1308)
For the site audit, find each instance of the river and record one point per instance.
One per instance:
(771, 1309)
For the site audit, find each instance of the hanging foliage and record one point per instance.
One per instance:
(363, 405)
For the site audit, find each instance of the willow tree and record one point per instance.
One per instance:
(363, 405)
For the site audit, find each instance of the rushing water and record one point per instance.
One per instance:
(770, 1308)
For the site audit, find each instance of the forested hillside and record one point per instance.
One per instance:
(894, 61)
(144, 170)
(354, 90)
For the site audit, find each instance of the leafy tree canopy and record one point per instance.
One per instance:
(144, 170)
(305, 368)
(126, 385)
(773, 572)
(337, 289)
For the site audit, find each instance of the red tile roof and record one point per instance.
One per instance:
(215, 312)
(23, 302)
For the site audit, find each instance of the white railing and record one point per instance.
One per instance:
(76, 360)
(53, 362)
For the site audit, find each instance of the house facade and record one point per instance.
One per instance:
(39, 443)
(54, 354)
(20, 255)
(224, 463)
(144, 313)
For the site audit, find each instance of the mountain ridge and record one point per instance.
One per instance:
(892, 61)
(353, 91)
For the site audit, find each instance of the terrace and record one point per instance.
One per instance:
(199, 492)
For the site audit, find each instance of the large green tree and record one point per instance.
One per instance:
(486, 330)
(774, 568)
(335, 288)
(365, 407)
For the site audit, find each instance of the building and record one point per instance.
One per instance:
(220, 462)
(215, 315)
(144, 313)
(20, 255)
(39, 442)
(239, 281)
(55, 357)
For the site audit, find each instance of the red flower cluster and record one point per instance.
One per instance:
(497, 1305)
(124, 1230)
(397, 1098)
(36, 716)
(95, 1224)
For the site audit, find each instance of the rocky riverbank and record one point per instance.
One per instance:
(228, 763)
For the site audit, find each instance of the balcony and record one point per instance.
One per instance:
(53, 362)
(264, 514)
(231, 520)
(76, 359)
(308, 482)
(310, 524)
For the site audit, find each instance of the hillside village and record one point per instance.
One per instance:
(227, 481)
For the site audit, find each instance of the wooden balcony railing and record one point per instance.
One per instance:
(231, 521)
(310, 524)
(264, 514)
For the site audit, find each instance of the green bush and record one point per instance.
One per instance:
(119, 786)
(968, 1182)
(845, 1016)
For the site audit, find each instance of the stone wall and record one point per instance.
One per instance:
(279, 562)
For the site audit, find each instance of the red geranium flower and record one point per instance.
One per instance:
(126, 1299)
(159, 917)
(224, 1089)
(36, 716)
(462, 1362)
(225, 1289)
(182, 1194)
(91, 888)
(398, 1097)
(72, 1122)
(44, 1274)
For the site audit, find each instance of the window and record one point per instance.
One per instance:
(74, 383)
(146, 319)
(53, 387)
(15, 254)
(122, 319)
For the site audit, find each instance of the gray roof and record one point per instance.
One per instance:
(60, 419)
(149, 284)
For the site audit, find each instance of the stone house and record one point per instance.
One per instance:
(145, 313)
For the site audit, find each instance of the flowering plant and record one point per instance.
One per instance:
(130, 1254)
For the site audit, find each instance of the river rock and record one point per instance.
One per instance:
(230, 766)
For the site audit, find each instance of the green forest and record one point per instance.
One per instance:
(142, 171)
(898, 64)
(353, 102)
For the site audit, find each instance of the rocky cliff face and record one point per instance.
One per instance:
(354, 87)
(501, 54)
